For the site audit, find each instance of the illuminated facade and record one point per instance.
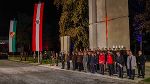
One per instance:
(109, 24)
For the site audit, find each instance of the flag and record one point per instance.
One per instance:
(37, 27)
(12, 36)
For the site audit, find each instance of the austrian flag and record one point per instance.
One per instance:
(37, 27)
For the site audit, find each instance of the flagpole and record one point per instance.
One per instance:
(38, 57)
(13, 55)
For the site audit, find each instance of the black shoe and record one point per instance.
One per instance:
(133, 78)
(129, 78)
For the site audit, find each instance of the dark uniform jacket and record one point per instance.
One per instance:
(120, 60)
(141, 60)
(74, 58)
(93, 60)
(79, 58)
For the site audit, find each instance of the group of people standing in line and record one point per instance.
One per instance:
(115, 62)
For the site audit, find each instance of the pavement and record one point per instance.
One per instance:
(106, 76)
(25, 73)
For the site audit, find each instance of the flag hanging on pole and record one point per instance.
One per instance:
(12, 36)
(37, 27)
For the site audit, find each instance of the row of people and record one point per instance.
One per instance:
(100, 61)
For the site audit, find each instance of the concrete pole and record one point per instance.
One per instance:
(93, 25)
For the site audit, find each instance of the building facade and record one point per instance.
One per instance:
(108, 24)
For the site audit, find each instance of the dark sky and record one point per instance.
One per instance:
(10, 8)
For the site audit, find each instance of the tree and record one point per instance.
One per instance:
(74, 21)
(141, 21)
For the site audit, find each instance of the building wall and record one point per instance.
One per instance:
(118, 23)
(101, 25)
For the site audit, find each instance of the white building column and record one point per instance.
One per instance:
(92, 24)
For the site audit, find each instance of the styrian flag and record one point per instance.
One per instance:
(12, 36)
(37, 27)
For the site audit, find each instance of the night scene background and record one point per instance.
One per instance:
(22, 11)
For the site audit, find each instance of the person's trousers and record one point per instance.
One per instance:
(89, 67)
(85, 66)
(40, 60)
(68, 65)
(141, 70)
(110, 69)
(63, 64)
(56, 62)
(74, 65)
(115, 68)
(21, 57)
(131, 73)
(34, 58)
(79, 66)
(101, 68)
(93, 68)
(120, 71)
(97, 67)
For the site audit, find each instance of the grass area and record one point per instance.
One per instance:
(147, 80)
(29, 59)
(18, 58)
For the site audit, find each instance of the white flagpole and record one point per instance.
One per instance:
(38, 57)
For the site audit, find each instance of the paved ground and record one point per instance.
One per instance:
(23, 73)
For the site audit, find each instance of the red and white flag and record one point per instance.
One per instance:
(37, 27)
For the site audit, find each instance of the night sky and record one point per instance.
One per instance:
(10, 8)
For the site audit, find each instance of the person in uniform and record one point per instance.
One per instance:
(56, 59)
(34, 57)
(101, 62)
(119, 64)
(63, 60)
(85, 60)
(41, 57)
(53, 58)
(74, 59)
(110, 62)
(97, 60)
(88, 61)
(68, 60)
(93, 62)
(131, 65)
(141, 59)
(79, 61)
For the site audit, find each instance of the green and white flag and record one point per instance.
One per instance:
(12, 36)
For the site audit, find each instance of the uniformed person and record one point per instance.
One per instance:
(63, 60)
(141, 59)
(120, 64)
